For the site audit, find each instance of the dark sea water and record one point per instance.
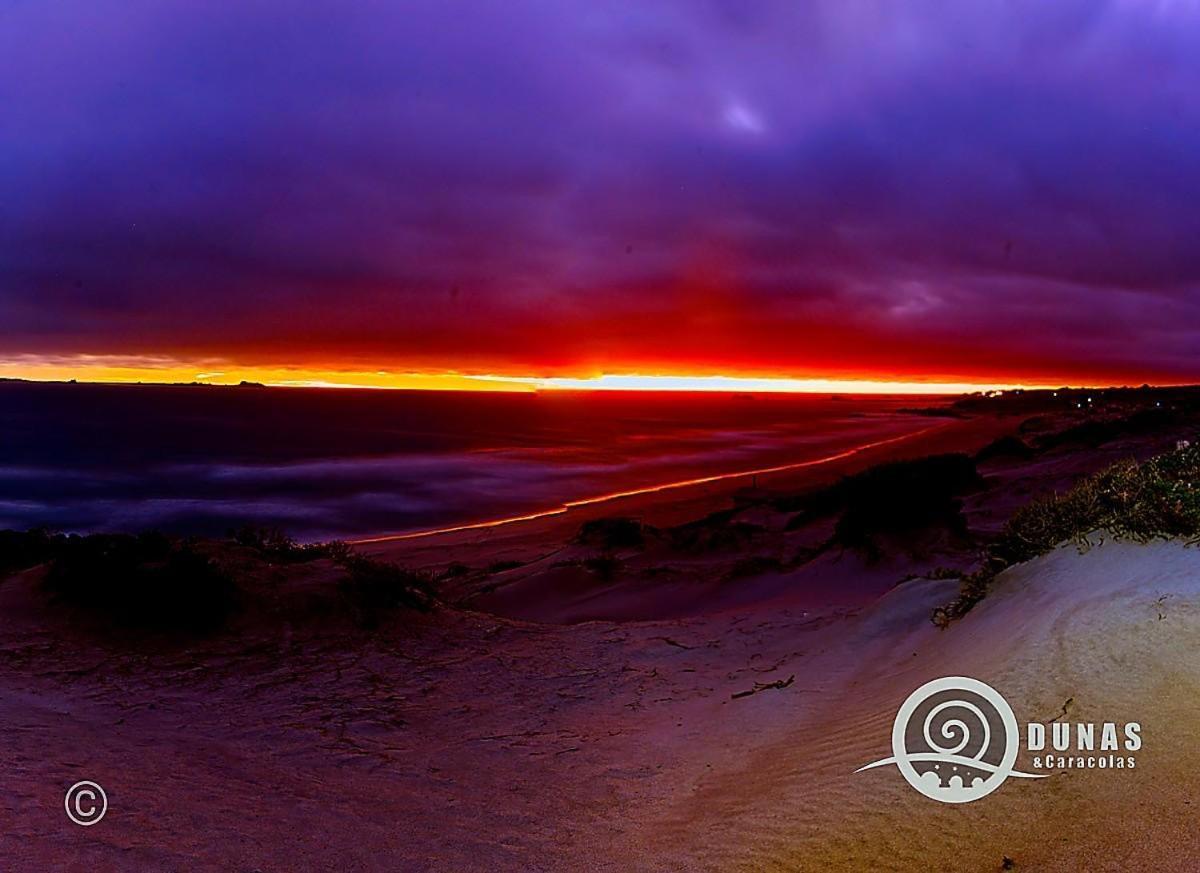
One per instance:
(321, 463)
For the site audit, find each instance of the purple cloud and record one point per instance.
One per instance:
(920, 186)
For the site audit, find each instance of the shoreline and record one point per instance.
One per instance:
(689, 686)
(646, 491)
(362, 466)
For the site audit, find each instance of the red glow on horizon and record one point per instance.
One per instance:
(160, 370)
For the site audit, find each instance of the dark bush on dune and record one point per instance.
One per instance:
(935, 474)
(143, 581)
(1005, 447)
(717, 531)
(20, 550)
(374, 588)
(612, 533)
(370, 587)
(902, 497)
(1139, 502)
(154, 583)
(275, 544)
(897, 498)
(1098, 432)
(502, 566)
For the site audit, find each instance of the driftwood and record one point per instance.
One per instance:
(763, 686)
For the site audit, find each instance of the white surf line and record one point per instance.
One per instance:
(650, 489)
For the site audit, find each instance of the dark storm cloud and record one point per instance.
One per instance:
(844, 185)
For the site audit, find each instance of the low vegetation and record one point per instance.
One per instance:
(374, 588)
(1007, 447)
(371, 588)
(1097, 432)
(144, 581)
(157, 583)
(613, 533)
(22, 549)
(904, 496)
(894, 498)
(716, 532)
(276, 545)
(1139, 502)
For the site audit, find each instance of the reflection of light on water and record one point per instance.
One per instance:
(635, 492)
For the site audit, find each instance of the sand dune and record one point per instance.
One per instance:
(1116, 631)
(475, 743)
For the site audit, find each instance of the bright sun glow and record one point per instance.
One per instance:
(758, 385)
(164, 370)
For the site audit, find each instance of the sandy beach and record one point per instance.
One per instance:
(698, 701)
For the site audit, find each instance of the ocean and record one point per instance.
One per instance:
(321, 463)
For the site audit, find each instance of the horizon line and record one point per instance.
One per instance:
(458, 381)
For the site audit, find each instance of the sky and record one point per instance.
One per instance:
(998, 192)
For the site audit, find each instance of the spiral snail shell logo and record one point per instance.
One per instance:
(955, 740)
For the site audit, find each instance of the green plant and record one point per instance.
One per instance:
(1132, 501)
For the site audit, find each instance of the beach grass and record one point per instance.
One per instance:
(145, 581)
(154, 582)
(1158, 498)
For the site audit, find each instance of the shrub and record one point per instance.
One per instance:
(903, 496)
(1097, 432)
(714, 533)
(1139, 502)
(894, 488)
(612, 533)
(143, 581)
(374, 588)
(277, 545)
(1005, 447)
(20, 550)
(944, 573)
